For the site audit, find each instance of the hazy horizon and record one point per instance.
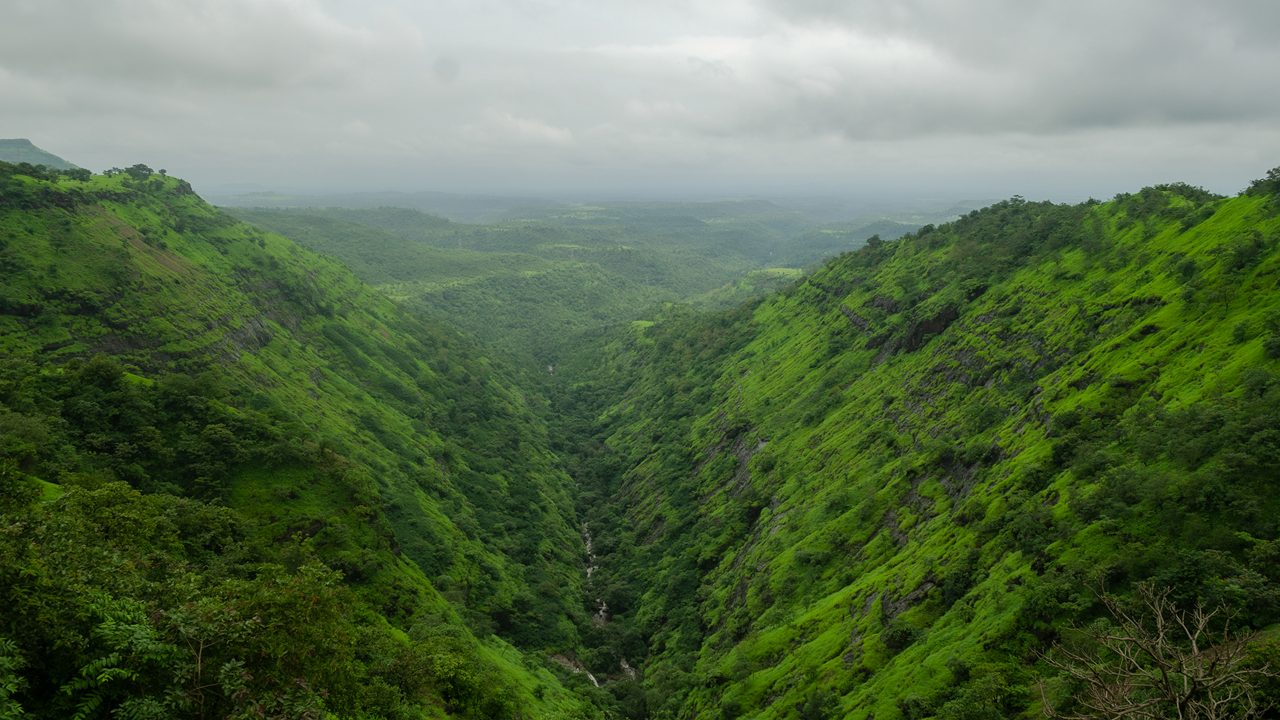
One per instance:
(741, 98)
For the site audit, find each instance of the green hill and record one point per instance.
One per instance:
(888, 490)
(21, 150)
(239, 482)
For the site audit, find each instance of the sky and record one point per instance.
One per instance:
(654, 98)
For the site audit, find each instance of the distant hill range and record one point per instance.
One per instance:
(22, 150)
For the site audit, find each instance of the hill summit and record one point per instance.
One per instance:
(22, 150)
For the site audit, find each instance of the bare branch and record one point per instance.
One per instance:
(1157, 661)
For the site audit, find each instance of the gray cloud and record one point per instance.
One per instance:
(1058, 66)
(712, 96)
(1000, 65)
(158, 45)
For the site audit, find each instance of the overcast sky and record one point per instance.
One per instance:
(989, 98)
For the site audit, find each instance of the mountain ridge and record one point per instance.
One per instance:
(22, 150)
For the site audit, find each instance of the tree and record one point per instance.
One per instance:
(1269, 185)
(11, 680)
(1155, 661)
(139, 171)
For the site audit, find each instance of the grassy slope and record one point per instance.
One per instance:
(883, 491)
(431, 487)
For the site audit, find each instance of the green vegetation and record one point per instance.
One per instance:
(236, 481)
(887, 490)
(531, 289)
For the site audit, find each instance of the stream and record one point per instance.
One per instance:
(601, 616)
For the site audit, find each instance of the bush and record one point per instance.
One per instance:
(898, 636)
(1271, 346)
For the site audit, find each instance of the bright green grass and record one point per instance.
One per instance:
(907, 396)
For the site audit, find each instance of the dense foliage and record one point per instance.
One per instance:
(532, 289)
(887, 491)
(237, 482)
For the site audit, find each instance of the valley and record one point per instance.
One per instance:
(533, 288)
(561, 360)
(622, 460)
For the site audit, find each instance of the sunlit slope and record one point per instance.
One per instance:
(885, 491)
(152, 340)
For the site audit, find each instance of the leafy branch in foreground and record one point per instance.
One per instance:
(1155, 661)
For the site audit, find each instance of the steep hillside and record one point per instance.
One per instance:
(239, 482)
(236, 481)
(888, 490)
(22, 150)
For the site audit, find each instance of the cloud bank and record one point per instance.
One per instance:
(986, 97)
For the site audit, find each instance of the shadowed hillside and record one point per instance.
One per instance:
(237, 480)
